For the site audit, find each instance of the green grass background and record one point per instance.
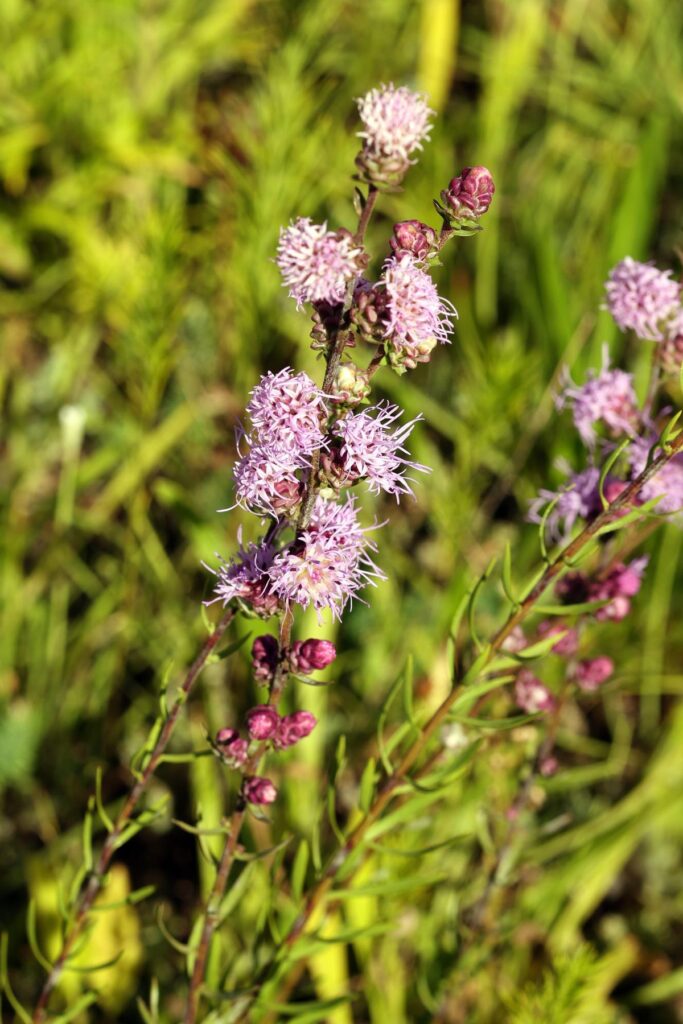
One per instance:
(149, 153)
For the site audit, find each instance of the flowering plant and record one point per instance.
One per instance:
(305, 446)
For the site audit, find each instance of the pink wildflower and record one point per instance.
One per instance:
(395, 121)
(317, 265)
(311, 655)
(416, 317)
(607, 397)
(287, 409)
(531, 694)
(470, 194)
(262, 722)
(370, 450)
(568, 644)
(592, 673)
(258, 790)
(641, 298)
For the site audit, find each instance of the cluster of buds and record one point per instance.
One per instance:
(303, 657)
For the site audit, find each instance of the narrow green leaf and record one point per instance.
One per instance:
(367, 785)
(78, 1007)
(233, 647)
(299, 868)
(92, 968)
(506, 576)
(609, 463)
(33, 937)
(5, 985)
(106, 820)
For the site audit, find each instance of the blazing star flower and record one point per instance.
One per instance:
(259, 790)
(265, 479)
(416, 316)
(579, 499)
(608, 397)
(370, 450)
(531, 694)
(641, 298)
(470, 194)
(288, 409)
(328, 563)
(593, 673)
(622, 583)
(244, 578)
(395, 121)
(666, 484)
(317, 265)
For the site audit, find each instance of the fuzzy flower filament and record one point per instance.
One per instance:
(317, 265)
(372, 451)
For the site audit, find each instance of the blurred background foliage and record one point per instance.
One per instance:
(150, 150)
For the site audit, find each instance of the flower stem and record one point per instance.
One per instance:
(92, 889)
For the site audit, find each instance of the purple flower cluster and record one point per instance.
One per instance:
(371, 451)
(317, 265)
(416, 316)
(607, 397)
(395, 121)
(642, 298)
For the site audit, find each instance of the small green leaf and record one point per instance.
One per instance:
(299, 868)
(367, 785)
(607, 467)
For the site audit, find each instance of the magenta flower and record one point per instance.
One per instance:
(413, 238)
(317, 265)
(531, 694)
(568, 644)
(416, 317)
(666, 484)
(606, 397)
(258, 790)
(262, 722)
(293, 728)
(619, 586)
(641, 298)
(578, 499)
(266, 480)
(329, 563)
(470, 194)
(244, 578)
(311, 655)
(593, 673)
(395, 121)
(288, 409)
(233, 749)
(371, 451)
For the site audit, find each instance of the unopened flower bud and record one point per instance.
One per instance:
(264, 655)
(293, 728)
(568, 644)
(548, 766)
(259, 790)
(531, 694)
(262, 722)
(592, 673)
(233, 749)
(414, 238)
(312, 655)
(469, 195)
(407, 359)
(350, 384)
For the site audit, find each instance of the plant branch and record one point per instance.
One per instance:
(384, 795)
(92, 889)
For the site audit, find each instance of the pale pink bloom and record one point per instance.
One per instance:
(317, 265)
(395, 121)
(642, 298)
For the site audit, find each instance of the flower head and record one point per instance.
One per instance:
(621, 584)
(606, 397)
(266, 480)
(233, 750)
(311, 655)
(288, 409)
(578, 499)
(258, 790)
(641, 298)
(262, 722)
(470, 194)
(531, 694)
(592, 673)
(244, 578)
(416, 317)
(317, 265)
(568, 642)
(328, 563)
(264, 656)
(293, 728)
(370, 450)
(395, 121)
(412, 238)
(666, 484)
